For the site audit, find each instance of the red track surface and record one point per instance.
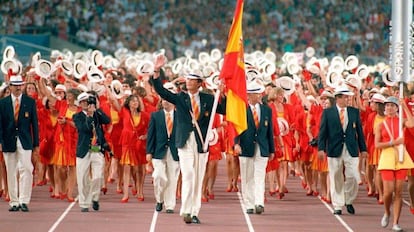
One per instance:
(296, 212)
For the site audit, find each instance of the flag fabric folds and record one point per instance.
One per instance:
(233, 73)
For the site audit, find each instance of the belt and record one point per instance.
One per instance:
(95, 148)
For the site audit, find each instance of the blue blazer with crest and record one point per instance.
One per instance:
(157, 137)
(263, 135)
(332, 137)
(26, 129)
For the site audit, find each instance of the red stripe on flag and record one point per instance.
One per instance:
(234, 75)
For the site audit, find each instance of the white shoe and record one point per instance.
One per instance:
(385, 220)
(396, 227)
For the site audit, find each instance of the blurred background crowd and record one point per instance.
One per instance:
(332, 27)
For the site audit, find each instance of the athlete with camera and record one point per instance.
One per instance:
(90, 160)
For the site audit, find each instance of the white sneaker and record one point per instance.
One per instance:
(396, 227)
(385, 220)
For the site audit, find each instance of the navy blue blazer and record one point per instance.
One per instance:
(263, 135)
(332, 137)
(84, 125)
(182, 115)
(27, 128)
(157, 137)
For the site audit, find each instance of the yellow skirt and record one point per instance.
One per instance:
(389, 160)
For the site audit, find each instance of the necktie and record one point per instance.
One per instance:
(255, 117)
(194, 104)
(169, 123)
(94, 140)
(342, 116)
(16, 110)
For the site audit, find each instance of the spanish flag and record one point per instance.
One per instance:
(233, 73)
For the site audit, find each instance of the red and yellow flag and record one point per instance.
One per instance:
(233, 73)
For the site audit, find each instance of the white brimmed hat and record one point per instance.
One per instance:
(353, 81)
(362, 71)
(387, 77)
(60, 87)
(343, 90)
(66, 66)
(213, 137)
(97, 58)
(16, 80)
(334, 78)
(95, 75)
(11, 64)
(326, 93)
(117, 89)
(254, 87)
(8, 53)
(283, 126)
(44, 68)
(145, 67)
(286, 83)
(170, 86)
(212, 82)
(351, 62)
(392, 99)
(81, 97)
(79, 69)
(194, 74)
(310, 52)
(377, 97)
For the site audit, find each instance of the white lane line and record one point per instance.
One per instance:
(406, 202)
(60, 219)
(154, 221)
(338, 217)
(246, 216)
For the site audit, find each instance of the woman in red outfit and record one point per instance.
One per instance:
(393, 171)
(216, 149)
(65, 137)
(272, 168)
(285, 118)
(30, 89)
(113, 108)
(319, 167)
(409, 136)
(47, 115)
(133, 139)
(232, 159)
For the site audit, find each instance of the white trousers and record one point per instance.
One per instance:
(19, 163)
(343, 191)
(165, 176)
(193, 167)
(90, 177)
(252, 173)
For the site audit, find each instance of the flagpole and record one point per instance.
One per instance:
(210, 123)
(406, 18)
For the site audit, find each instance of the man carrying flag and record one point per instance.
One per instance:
(193, 112)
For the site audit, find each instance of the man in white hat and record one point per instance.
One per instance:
(255, 147)
(19, 137)
(342, 139)
(193, 112)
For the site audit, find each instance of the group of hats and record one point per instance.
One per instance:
(379, 98)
